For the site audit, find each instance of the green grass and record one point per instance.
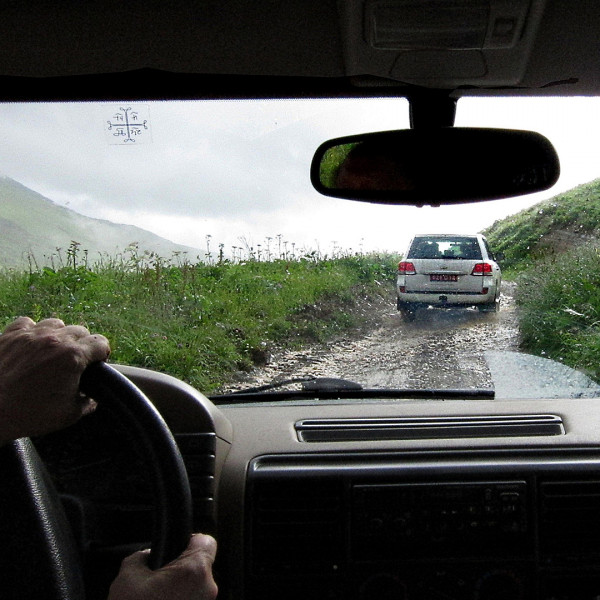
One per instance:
(199, 322)
(331, 162)
(560, 309)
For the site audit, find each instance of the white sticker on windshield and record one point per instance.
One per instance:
(129, 125)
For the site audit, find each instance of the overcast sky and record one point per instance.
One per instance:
(239, 171)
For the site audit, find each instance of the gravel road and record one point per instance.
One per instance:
(440, 349)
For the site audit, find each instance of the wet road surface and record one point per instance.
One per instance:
(440, 349)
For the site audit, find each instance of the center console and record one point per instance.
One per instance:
(374, 527)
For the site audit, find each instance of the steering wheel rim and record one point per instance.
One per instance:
(173, 501)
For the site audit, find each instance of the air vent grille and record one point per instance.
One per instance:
(198, 451)
(570, 517)
(407, 428)
(296, 525)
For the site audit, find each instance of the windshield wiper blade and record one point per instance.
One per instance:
(330, 384)
(308, 384)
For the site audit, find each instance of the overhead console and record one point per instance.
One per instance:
(514, 525)
(444, 44)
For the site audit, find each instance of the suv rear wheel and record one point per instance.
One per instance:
(407, 310)
(490, 306)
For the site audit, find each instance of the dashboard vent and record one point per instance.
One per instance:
(570, 517)
(296, 525)
(409, 428)
(198, 451)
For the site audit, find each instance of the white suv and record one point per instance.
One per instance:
(447, 270)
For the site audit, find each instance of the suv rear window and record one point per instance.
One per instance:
(461, 247)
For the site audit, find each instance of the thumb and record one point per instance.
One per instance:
(137, 562)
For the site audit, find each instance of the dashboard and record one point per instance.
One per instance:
(461, 499)
(457, 507)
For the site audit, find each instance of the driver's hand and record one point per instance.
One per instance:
(188, 577)
(40, 367)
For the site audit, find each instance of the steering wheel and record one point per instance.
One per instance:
(34, 537)
(173, 504)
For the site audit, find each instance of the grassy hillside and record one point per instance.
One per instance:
(31, 224)
(552, 249)
(550, 227)
(560, 308)
(201, 323)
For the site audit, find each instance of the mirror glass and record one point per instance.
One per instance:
(435, 166)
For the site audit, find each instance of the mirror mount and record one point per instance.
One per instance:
(431, 109)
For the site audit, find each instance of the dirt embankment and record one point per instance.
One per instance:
(440, 349)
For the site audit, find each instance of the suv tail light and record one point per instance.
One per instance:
(482, 269)
(406, 268)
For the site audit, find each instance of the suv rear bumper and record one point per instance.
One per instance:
(443, 298)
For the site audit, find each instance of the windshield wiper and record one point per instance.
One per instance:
(308, 384)
(329, 388)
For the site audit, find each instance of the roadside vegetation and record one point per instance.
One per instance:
(200, 321)
(552, 251)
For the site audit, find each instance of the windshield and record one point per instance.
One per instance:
(189, 234)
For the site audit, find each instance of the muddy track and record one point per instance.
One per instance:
(440, 349)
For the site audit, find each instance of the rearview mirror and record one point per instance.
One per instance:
(435, 166)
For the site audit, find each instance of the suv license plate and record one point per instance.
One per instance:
(442, 277)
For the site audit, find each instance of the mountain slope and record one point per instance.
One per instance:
(32, 225)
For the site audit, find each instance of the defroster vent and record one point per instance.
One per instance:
(408, 428)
